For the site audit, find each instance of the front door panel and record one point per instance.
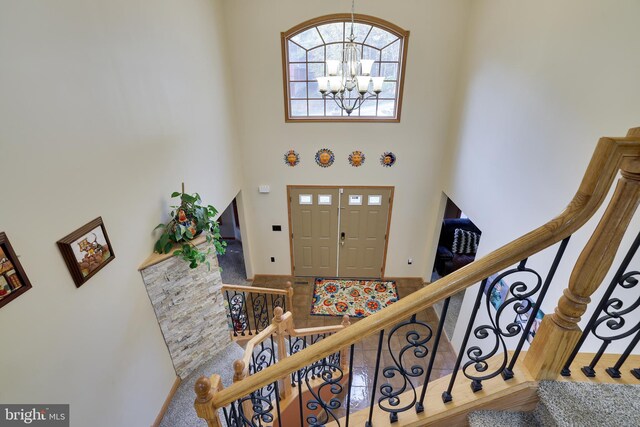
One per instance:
(314, 225)
(363, 231)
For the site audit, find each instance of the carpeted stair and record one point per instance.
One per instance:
(180, 412)
(571, 404)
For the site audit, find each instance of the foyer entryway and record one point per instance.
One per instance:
(232, 263)
(339, 231)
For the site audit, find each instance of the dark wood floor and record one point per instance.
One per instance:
(365, 354)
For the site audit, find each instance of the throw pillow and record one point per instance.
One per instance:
(464, 242)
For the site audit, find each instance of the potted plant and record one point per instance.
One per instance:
(189, 219)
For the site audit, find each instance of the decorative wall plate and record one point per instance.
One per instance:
(388, 159)
(356, 158)
(325, 158)
(291, 158)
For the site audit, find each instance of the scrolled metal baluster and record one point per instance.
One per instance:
(446, 395)
(263, 357)
(518, 302)
(331, 376)
(618, 279)
(434, 351)
(278, 300)
(390, 400)
(507, 373)
(261, 409)
(260, 311)
(238, 310)
(606, 328)
(232, 416)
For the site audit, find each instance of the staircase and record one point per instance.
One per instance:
(318, 380)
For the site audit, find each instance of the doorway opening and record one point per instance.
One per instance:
(232, 262)
(457, 247)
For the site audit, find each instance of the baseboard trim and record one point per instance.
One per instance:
(163, 410)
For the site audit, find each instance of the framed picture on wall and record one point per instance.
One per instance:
(86, 251)
(13, 279)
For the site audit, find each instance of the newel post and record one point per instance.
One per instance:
(344, 363)
(281, 330)
(206, 389)
(559, 332)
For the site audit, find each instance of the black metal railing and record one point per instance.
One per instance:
(502, 301)
(299, 343)
(250, 313)
(405, 356)
(610, 320)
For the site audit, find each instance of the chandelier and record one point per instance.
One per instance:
(349, 82)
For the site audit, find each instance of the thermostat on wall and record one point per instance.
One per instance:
(263, 188)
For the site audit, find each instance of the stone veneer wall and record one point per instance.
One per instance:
(189, 308)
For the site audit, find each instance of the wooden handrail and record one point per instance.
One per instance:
(253, 289)
(256, 340)
(609, 155)
(305, 332)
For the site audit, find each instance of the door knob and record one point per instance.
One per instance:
(342, 236)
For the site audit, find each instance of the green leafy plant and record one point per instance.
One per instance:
(189, 219)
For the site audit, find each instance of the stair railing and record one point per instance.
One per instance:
(554, 340)
(251, 308)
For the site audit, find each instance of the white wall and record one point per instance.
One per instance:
(437, 32)
(106, 106)
(543, 81)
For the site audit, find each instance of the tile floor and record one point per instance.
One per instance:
(366, 350)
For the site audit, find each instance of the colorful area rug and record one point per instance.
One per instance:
(357, 298)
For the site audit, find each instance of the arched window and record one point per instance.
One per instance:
(307, 46)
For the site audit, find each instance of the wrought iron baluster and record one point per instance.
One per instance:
(263, 357)
(446, 395)
(261, 409)
(269, 316)
(518, 301)
(277, 399)
(589, 370)
(375, 379)
(238, 310)
(278, 300)
(391, 399)
(507, 373)
(348, 405)
(434, 351)
(260, 312)
(622, 279)
(233, 327)
(331, 376)
(614, 371)
(300, 406)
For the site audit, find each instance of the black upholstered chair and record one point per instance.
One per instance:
(448, 261)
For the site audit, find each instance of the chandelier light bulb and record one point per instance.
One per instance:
(323, 84)
(377, 84)
(367, 64)
(363, 84)
(332, 67)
